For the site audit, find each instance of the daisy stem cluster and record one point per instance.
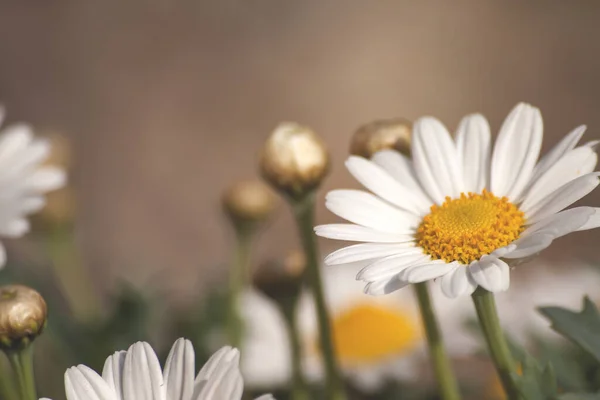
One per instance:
(441, 363)
(304, 210)
(498, 347)
(237, 282)
(22, 365)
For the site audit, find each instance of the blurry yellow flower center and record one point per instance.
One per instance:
(469, 227)
(368, 333)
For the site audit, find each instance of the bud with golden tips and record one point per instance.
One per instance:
(294, 160)
(381, 135)
(281, 281)
(248, 202)
(23, 314)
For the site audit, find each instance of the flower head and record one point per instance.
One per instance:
(459, 211)
(248, 202)
(294, 160)
(23, 313)
(281, 282)
(136, 373)
(381, 135)
(23, 179)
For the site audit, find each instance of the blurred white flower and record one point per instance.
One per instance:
(376, 338)
(562, 285)
(23, 180)
(136, 374)
(459, 209)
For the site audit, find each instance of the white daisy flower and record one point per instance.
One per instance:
(376, 338)
(458, 211)
(23, 181)
(136, 374)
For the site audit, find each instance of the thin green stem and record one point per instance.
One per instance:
(22, 365)
(299, 391)
(439, 358)
(497, 345)
(7, 382)
(237, 280)
(73, 277)
(304, 210)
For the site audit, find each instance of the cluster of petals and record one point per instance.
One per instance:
(402, 190)
(136, 374)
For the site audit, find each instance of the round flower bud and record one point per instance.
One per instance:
(23, 315)
(294, 160)
(281, 281)
(248, 202)
(381, 135)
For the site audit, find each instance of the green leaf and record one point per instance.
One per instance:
(536, 382)
(583, 328)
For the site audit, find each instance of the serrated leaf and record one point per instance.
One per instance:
(583, 328)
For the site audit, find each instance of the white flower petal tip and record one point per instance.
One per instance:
(458, 282)
(490, 273)
(516, 151)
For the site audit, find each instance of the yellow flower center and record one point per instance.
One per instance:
(467, 228)
(368, 333)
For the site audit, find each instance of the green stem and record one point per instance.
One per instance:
(237, 281)
(299, 391)
(499, 350)
(22, 365)
(7, 382)
(304, 210)
(73, 277)
(441, 363)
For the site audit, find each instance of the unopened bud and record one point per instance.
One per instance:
(248, 202)
(281, 281)
(23, 315)
(294, 160)
(381, 135)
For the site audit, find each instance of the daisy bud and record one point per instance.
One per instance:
(294, 160)
(23, 315)
(281, 281)
(381, 135)
(248, 202)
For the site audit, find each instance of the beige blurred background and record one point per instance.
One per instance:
(168, 101)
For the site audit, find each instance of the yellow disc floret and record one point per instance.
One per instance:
(467, 228)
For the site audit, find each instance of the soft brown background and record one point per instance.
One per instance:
(168, 101)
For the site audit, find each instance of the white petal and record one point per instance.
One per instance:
(265, 397)
(378, 181)
(368, 251)
(220, 376)
(425, 272)
(458, 282)
(83, 383)
(386, 286)
(14, 139)
(562, 223)
(2, 256)
(573, 164)
(366, 209)
(435, 160)
(593, 222)
(490, 273)
(357, 233)
(473, 140)
(387, 267)
(142, 376)
(516, 151)
(562, 197)
(400, 168)
(530, 245)
(112, 373)
(179, 371)
(45, 179)
(15, 228)
(567, 143)
(225, 355)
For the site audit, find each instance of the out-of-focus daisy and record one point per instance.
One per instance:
(376, 338)
(458, 209)
(23, 180)
(562, 285)
(136, 374)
